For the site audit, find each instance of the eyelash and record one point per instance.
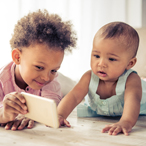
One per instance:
(97, 56)
(40, 68)
(53, 71)
(111, 59)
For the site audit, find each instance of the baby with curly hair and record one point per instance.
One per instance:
(38, 45)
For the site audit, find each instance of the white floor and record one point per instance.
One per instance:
(84, 132)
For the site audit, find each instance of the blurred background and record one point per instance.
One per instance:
(87, 17)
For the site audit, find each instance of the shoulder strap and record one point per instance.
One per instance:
(94, 81)
(120, 88)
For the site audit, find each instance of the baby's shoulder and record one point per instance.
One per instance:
(87, 75)
(85, 79)
(129, 75)
(133, 79)
(133, 75)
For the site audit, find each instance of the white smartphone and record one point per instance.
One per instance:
(41, 109)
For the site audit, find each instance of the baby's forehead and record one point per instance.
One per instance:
(118, 45)
(122, 40)
(109, 42)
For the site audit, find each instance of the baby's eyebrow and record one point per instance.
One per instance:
(57, 67)
(95, 51)
(40, 62)
(113, 54)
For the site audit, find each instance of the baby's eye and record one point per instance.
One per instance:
(97, 56)
(40, 68)
(112, 59)
(53, 71)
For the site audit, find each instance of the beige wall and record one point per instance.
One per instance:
(140, 66)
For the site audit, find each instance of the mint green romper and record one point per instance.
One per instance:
(113, 106)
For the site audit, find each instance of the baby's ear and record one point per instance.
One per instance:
(132, 62)
(16, 56)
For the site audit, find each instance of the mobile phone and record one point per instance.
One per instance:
(41, 109)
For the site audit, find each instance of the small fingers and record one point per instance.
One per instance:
(107, 127)
(9, 125)
(11, 110)
(125, 131)
(112, 130)
(30, 124)
(64, 122)
(16, 125)
(19, 96)
(19, 123)
(115, 130)
(67, 123)
(23, 123)
(12, 100)
(26, 122)
(19, 99)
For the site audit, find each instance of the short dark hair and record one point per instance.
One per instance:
(42, 27)
(122, 30)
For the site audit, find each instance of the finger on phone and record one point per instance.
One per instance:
(19, 96)
(13, 107)
(16, 98)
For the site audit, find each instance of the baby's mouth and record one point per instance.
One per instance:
(102, 74)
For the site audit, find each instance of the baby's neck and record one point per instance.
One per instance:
(106, 89)
(108, 83)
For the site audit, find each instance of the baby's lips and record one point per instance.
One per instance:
(102, 72)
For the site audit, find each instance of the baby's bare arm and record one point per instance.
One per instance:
(132, 98)
(74, 97)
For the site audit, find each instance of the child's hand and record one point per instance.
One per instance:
(19, 123)
(13, 104)
(63, 122)
(121, 126)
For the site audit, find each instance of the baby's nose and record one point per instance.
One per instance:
(102, 63)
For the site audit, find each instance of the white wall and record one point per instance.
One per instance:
(86, 15)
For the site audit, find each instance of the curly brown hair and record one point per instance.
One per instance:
(42, 27)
